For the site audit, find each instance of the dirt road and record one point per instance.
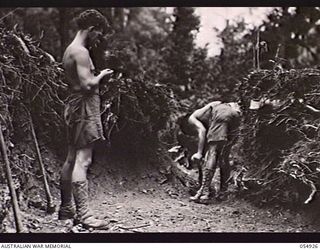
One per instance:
(136, 201)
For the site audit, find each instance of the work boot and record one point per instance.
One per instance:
(67, 209)
(205, 196)
(84, 214)
(195, 197)
(202, 196)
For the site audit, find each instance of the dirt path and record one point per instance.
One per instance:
(161, 212)
(139, 203)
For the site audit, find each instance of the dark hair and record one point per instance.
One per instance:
(94, 18)
(184, 124)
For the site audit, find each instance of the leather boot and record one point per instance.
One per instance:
(202, 196)
(196, 197)
(84, 214)
(67, 209)
(205, 196)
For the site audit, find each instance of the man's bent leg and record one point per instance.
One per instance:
(208, 169)
(67, 209)
(81, 192)
(225, 168)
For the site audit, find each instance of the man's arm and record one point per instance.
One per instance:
(194, 119)
(201, 136)
(87, 79)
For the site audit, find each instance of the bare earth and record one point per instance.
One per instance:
(138, 200)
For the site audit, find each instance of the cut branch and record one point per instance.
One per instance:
(50, 204)
(14, 200)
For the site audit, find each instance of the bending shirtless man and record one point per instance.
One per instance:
(216, 125)
(82, 115)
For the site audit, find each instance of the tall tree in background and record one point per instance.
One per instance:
(136, 47)
(63, 28)
(295, 32)
(235, 59)
(180, 49)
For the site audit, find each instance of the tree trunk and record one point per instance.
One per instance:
(63, 29)
(119, 18)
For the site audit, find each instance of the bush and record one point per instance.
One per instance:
(281, 145)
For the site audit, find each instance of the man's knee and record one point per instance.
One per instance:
(83, 158)
(84, 162)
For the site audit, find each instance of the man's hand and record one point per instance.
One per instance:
(196, 157)
(107, 71)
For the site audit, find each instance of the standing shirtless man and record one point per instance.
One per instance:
(82, 115)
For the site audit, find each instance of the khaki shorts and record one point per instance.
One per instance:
(82, 116)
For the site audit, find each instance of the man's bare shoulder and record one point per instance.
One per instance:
(213, 104)
(75, 52)
(201, 112)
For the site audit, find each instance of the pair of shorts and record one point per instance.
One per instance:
(224, 124)
(83, 119)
